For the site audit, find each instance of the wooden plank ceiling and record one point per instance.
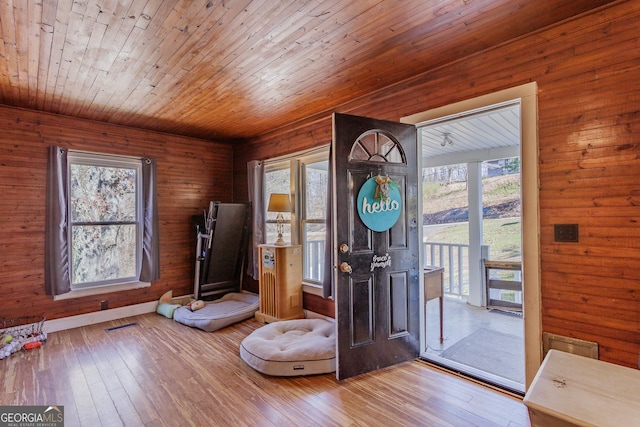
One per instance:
(236, 69)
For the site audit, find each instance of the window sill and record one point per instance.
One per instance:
(79, 293)
(312, 289)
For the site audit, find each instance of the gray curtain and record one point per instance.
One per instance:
(327, 281)
(56, 261)
(255, 181)
(57, 278)
(150, 270)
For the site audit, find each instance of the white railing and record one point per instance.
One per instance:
(314, 260)
(454, 257)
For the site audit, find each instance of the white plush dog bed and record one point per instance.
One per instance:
(231, 308)
(292, 348)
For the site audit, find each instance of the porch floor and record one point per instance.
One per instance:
(487, 344)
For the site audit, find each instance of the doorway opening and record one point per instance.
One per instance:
(472, 243)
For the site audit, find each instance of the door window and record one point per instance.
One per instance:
(376, 146)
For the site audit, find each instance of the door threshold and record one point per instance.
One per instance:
(485, 378)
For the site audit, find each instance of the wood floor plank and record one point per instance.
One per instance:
(144, 406)
(161, 373)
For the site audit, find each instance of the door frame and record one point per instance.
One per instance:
(528, 95)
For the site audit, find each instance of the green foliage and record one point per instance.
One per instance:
(430, 190)
(501, 235)
(513, 165)
(509, 189)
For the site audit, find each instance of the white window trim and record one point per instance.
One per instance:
(125, 283)
(99, 290)
(293, 161)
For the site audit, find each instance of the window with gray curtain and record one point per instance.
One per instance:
(255, 178)
(102, 225)
(306, 177)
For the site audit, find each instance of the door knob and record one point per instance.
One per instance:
(345, 267)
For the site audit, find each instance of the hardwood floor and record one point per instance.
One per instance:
(162, 373)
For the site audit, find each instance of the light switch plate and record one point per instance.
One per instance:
(565, 232)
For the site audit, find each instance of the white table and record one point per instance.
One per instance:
(571, 390)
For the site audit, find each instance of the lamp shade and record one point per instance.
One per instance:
(279, 203)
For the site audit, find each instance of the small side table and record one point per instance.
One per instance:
(434, 288)
(280, 283)
(572, 390)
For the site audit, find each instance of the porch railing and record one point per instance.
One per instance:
(454, 257)
(314, 260)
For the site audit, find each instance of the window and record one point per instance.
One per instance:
(277, 180)
(305, 177)
(105, 221)
(101, 225)
(315, 176)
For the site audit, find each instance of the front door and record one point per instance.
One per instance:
(376, 237)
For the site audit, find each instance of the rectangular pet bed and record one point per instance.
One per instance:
(231, 308)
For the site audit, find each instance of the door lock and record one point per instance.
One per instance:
(345, 267)
(344, 248)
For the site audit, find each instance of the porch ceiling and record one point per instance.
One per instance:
(475, 135)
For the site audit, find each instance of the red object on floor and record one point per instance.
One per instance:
(32, 345)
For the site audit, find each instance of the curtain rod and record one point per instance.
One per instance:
(95, 153)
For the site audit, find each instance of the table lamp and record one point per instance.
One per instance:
(279, 203)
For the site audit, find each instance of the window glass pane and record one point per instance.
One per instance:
(103, 252)
(393, 154)
(314, 241)
(368, 141)
(272, 233)
(316, 181)
(277, 181)
(358, 152)
(102, 194)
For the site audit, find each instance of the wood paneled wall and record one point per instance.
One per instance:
(588, 75)
(190, 173)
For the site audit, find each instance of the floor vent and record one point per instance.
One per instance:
(569, 345)
(117, 328)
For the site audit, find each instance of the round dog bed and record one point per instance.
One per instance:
(291, 348)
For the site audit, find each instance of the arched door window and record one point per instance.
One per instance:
(377, 146)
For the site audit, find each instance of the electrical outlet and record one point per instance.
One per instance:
(565, 232)
(104, 305)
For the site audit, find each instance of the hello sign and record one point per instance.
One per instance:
(379, 203)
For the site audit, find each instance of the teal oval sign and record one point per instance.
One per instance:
(378, 211)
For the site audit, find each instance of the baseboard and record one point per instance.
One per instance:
(80, 320)
(308, 314)
(98, 317)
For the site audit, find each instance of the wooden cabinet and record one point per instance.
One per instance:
(280, 283)
(572, 390)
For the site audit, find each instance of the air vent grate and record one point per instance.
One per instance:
(117, 328)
